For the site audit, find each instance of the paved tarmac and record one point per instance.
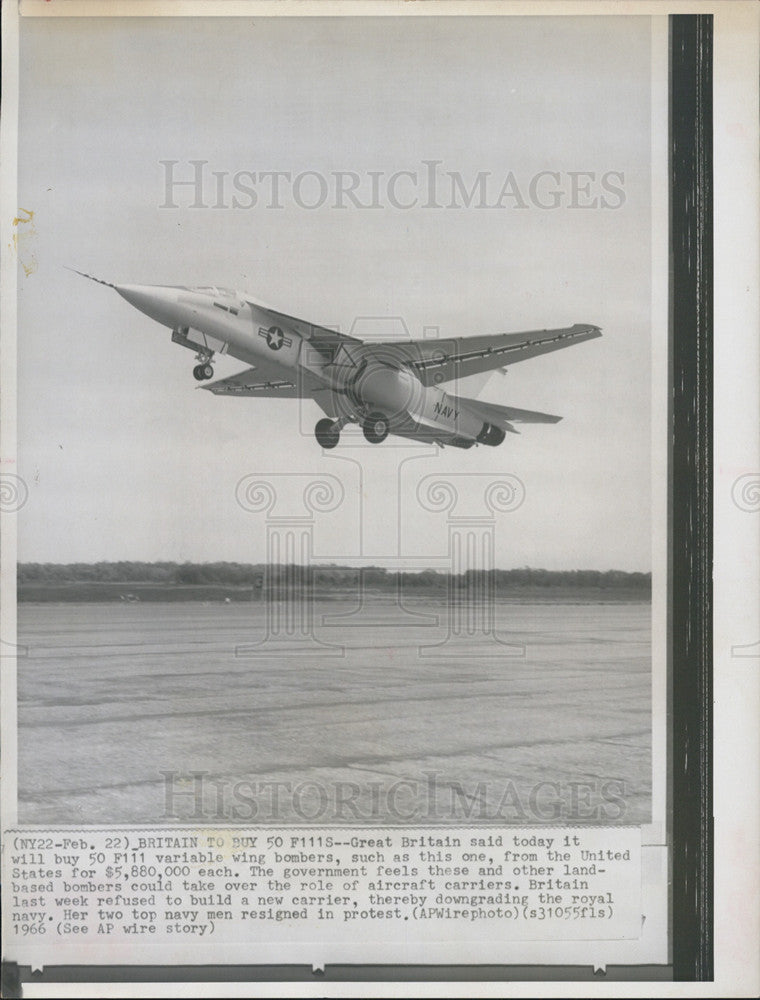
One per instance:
(189, 713)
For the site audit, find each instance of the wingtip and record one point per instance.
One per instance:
(590, 329)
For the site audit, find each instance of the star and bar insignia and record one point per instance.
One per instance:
(275, 338)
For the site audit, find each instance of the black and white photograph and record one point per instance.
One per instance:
(340, 488)
(394, 527)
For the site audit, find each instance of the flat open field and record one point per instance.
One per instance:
(178, 713)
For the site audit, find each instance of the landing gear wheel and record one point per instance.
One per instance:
(207, 371)
(375, 427)
(326, 433)
(198, 373)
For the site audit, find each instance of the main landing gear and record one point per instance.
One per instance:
(203, 371)
(327, 433)
(375, 427)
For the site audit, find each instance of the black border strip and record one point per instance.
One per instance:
(691, 324)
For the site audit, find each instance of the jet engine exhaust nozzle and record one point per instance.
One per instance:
(491, 435)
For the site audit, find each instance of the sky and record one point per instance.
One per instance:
(125, 458)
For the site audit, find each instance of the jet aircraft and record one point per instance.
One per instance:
(391, 387)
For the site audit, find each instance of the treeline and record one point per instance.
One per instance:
(231, 574)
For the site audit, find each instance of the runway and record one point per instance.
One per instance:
(219, 713)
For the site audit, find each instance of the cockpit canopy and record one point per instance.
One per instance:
(220, 293)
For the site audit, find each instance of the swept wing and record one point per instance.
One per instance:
(437, 361)
(271, 383)
(261, 380)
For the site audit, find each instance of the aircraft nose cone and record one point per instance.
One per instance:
(154, 300)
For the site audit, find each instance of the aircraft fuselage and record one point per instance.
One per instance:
(213, 320)
(386, 387)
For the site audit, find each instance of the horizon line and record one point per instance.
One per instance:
(324, 565)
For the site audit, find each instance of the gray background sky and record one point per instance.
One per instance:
(126, 459)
